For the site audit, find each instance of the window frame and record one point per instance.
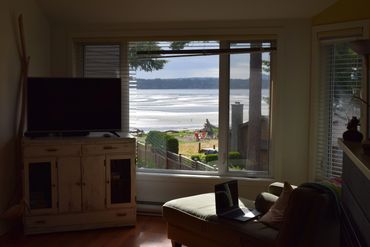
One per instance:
(329, 33)
(224, 72)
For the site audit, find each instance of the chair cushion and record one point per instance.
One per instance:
(264, 201)
(198, 214)
(200, 206)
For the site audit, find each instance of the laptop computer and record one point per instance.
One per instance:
(227, 203)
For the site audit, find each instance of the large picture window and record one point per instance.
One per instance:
(341, 79)
(174, 102)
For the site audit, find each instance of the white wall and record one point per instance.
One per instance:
(37, 33)
(291, 102)
(293, 106)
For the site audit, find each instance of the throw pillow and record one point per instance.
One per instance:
(264, 201)
(275, 216)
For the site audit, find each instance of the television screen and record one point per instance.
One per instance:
(59, 105)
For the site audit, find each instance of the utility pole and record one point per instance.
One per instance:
(255, 97)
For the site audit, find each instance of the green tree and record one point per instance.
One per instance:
(255, 96)
(178, 45)
(151, 62)
(345, 76)
(148, 64)
(266, 66)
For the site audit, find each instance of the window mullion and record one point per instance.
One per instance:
(125, 86)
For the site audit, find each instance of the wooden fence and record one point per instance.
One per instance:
(147, 157)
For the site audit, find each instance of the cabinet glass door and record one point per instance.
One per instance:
(119, 180)
(41, 185)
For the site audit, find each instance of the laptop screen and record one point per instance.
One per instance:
(226, 195)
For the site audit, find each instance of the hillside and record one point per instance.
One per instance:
(194, 83)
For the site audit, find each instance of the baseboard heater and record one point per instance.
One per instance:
(149, 208)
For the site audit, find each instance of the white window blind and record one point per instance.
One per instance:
(340, 78)
(101, 61)
(108, 60)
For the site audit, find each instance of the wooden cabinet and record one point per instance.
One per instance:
(93, 169)
(69, 184)
(76, 184)
(355, 195)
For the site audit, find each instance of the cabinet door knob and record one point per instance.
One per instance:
(108, 181)
(107, 147)
(51, 149)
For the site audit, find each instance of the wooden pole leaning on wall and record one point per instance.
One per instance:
(17, 205)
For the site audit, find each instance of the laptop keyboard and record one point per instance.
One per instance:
(235, 213)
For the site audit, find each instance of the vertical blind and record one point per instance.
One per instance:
(340, 79)
(106, 61)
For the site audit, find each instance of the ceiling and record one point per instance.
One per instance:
(143, 11)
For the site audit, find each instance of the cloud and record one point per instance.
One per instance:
(200, 66)
(239, 66)
(184, 67)
(213, 72)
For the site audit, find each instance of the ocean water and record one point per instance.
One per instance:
(180, 109)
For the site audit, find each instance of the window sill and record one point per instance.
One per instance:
(154, 188)
(206, 176)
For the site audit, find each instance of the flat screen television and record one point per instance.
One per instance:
(73, 105)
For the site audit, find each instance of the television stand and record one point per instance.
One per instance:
(82, 183)
(56, 134)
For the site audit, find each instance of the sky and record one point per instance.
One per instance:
(200, 66)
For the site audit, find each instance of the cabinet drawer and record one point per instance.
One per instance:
(121, 214)
(37, 222)
(52, 150)
(112, 148)
(79, 221)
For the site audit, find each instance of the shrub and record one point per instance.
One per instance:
(196, 157)
(234, 155)
(211, 157)
(162, 142)
(236, 167)
(156, 140)
(235, 161)
(172, 144)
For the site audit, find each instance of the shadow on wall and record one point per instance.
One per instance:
(7, 178)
